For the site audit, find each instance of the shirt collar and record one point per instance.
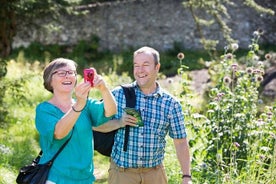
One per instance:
(157, 93)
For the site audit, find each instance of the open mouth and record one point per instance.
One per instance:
(142, 76)
(67, 83)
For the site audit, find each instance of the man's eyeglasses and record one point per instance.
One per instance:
(63, 73)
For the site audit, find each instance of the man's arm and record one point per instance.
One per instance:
(183, 155)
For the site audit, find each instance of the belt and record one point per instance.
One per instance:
(139, 169)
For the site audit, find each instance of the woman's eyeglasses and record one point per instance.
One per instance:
(63, 73)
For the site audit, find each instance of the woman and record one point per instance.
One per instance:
(62, 115)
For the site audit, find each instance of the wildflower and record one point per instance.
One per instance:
(262, 72)
(234, 67)
(217, 99)
(257, 71)
(221, 94)
(169, 81)
(267, 56)
(180, 56)
(256, 34)
(228, 56)
(234, 46)
(260, 101)
(208, 63)
(236, 144)
(227, 80)
(260, 31)
(260, 122)
(272, 135)
(204, 166)
(259, 78)
(249, 70)
(255, 58)
(265, 148)
(262, 157)
(260, 63)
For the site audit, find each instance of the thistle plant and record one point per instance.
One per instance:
(237, 148)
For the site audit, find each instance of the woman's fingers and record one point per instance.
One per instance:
(82, 90)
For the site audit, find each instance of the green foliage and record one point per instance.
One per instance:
(215, 12)
(234, 144)
(3, 87)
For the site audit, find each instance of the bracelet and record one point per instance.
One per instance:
(186, 176)
(77, 110)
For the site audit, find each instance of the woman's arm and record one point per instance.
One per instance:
(66, 123)
(110, 105)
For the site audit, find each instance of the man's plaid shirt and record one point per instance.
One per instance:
(161, 114)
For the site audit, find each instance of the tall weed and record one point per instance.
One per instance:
(231, 142)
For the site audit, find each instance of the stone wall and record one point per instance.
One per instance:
(159, 24)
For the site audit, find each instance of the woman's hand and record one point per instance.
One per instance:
(110, 105)
(82, 92)
(99, 83)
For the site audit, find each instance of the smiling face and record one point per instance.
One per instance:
(145, 71)
(64, 79)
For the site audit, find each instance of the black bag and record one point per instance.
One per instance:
(34, 173)
(103, 142)
(37, 173)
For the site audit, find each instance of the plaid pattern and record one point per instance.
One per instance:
(162, 114)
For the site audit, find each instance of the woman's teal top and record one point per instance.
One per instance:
(74, 165)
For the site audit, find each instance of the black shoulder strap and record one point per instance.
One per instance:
(50, 162)
(129, 93)
(130, 102)
(61, 148)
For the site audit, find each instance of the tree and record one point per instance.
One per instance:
(7, 26)
(14, 13)
(216, 13)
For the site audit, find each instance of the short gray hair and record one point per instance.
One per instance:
(149, 50)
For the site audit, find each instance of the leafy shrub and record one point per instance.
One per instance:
(231, 142)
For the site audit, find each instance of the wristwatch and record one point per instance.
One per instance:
(186, 176)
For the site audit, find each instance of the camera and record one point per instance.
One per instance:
(88, 75)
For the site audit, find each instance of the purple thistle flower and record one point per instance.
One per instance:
(227, 80)
(267, 56)
(260, 78)
(180, 56)
(236, 144)
(249, 70)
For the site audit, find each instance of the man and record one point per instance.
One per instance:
(161, 114)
